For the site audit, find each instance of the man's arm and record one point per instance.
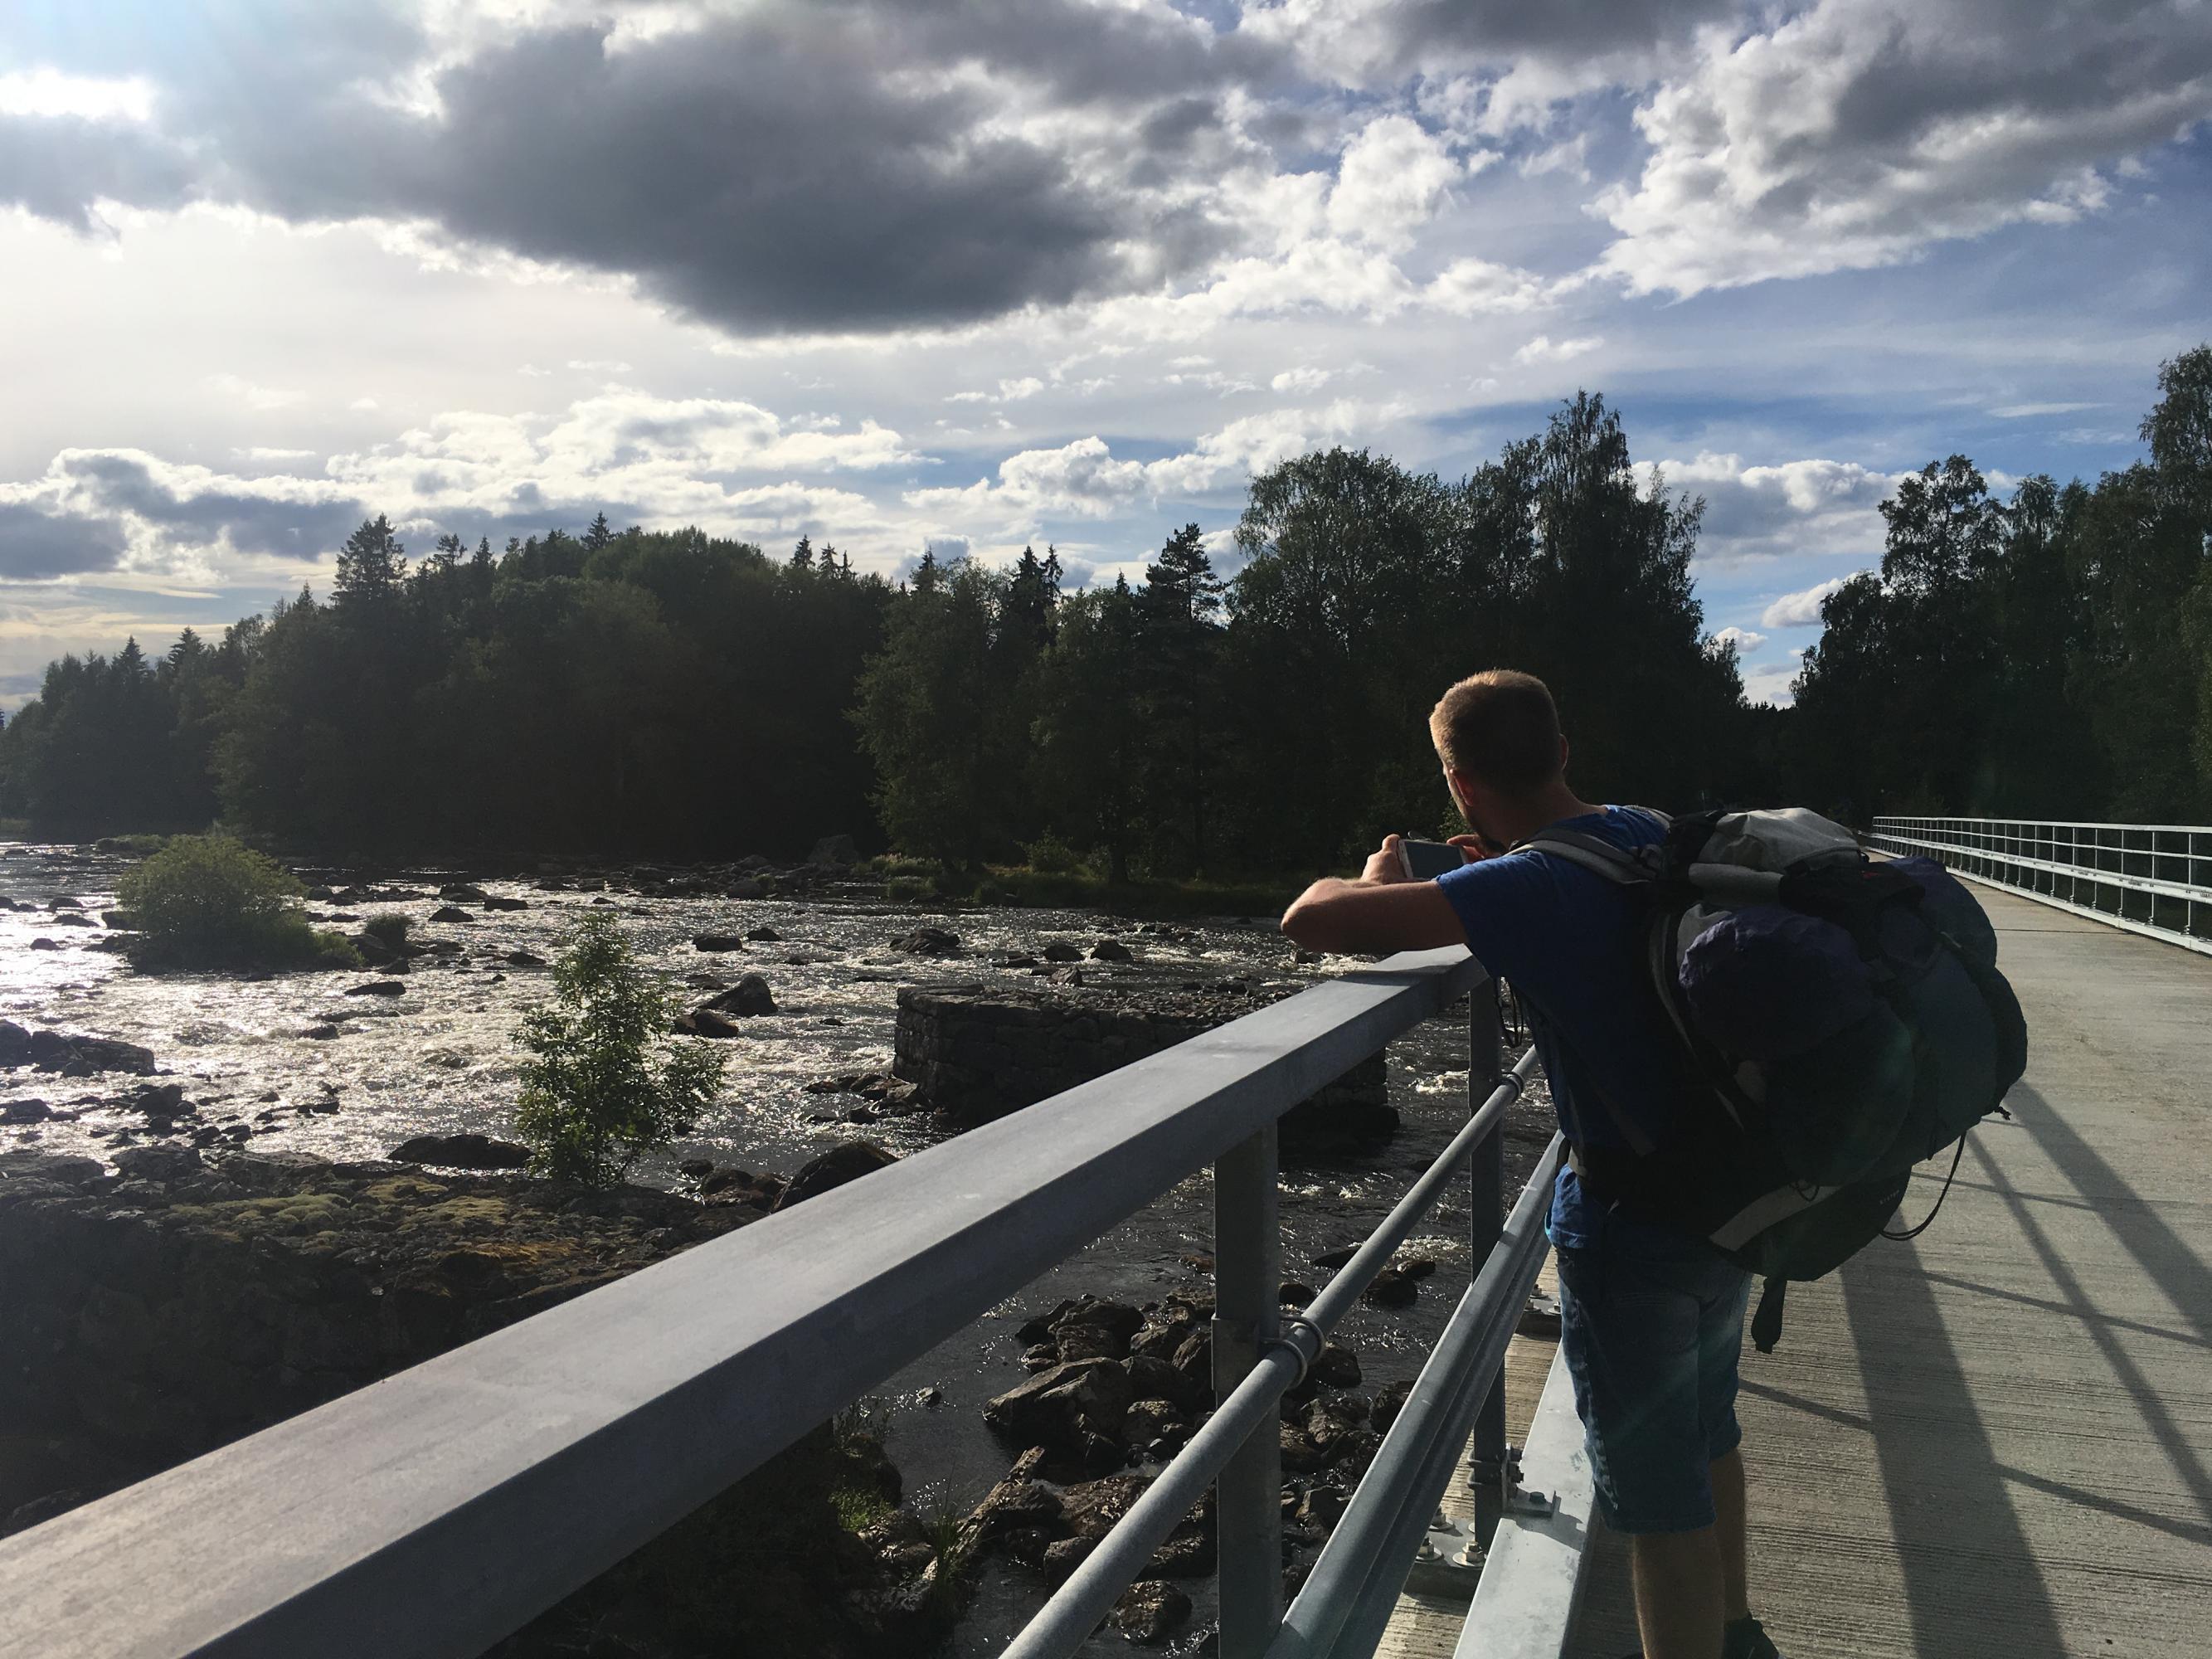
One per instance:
(1384, 910)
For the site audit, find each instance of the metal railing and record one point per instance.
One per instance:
(434, 1512)
(2150, 878)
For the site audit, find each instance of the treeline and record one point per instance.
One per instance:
(673, 693)
(2047, 656)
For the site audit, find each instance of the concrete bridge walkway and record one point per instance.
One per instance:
(1997, 1440)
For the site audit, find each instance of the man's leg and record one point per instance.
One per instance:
(1728, 1531)
(1679, 1593)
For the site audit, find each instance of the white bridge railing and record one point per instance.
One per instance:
(428, 1516)
(2151, 879)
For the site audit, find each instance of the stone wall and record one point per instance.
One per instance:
(978, 1054)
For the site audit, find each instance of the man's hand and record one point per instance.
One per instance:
(1385, 910)
(1473, 848)
(1386, 866)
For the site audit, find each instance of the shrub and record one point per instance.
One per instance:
(1048, 856)
(388, 925)
(209, 902)
(605, 1083)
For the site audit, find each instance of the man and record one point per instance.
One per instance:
(1652, 1316)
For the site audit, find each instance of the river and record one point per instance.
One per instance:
(442, 1057)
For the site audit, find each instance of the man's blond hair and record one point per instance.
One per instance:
(1500, 728)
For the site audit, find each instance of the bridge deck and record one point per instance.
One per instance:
(1997, 1440)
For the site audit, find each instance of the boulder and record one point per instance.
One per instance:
(748, 997)
(466, 1150)
(717, 942)
(451, 913)
(162, 1164)
(707, 1023)
(746, 887)
(44, 944)
(928, 942)
(833, 1168)
(1091, 1509)
(763, 936)
(503, 902)
(15, 1044)
(1149, 1613)
(1389, 1400)
(55, 1169)
(25, 1111)
(1060, 950)
(456, 891)
(1058, 1408)
(523, 959)
(1107, 950)
(377, 987)
(1337, 1367)
(73, 919)
(1015, 1504)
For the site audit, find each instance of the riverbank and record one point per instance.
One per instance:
(183, 1302)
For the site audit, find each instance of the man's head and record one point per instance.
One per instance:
(1497, 734)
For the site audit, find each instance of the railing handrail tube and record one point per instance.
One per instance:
(2180, 889)
(1066, 1621)
(434, 1512)
(1358, 1572)
(2049, 824)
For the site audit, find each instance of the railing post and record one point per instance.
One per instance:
(1248, 1267)
(1485, 1060)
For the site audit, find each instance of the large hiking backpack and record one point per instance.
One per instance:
(1846, 1017)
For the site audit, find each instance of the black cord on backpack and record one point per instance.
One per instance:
(1929, 1219)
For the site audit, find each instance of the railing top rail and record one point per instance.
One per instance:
(433, 1512)
(2047, 823)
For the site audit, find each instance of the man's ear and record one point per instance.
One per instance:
(1563, 754)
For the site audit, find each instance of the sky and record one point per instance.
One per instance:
(969, 275)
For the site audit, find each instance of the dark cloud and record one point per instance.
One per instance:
(302, 521)
(36, 544)
(830, 166)
(1433, 36)
(58, 167)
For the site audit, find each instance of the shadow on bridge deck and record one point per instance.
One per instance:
(1997, 1440)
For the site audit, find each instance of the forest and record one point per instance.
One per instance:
(669, 694)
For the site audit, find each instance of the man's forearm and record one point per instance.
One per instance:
(1371, 917)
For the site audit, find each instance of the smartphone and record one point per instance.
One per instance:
(1424, 860)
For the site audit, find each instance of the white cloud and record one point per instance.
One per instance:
(252, 395)
(1759, 514)
(264, 452)
(1305, 378)
(47, 92)
(1854, 133)
(1800, 610)
(1744, 641)
(1770, 684)
(1474, 288)
(1543, 350)
(2028, 411)
(598, 365)
(1393, 178)
(1085, 478)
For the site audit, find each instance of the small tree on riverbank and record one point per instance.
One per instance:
(605, 1084)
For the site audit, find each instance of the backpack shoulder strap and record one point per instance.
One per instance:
(1599, 857)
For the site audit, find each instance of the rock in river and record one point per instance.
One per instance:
(928, 942)
(834, 1169)
(717, 942)
(468, 1151)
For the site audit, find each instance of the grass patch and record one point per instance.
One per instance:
(388, 926)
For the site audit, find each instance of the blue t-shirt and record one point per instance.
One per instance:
(1571, 944)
